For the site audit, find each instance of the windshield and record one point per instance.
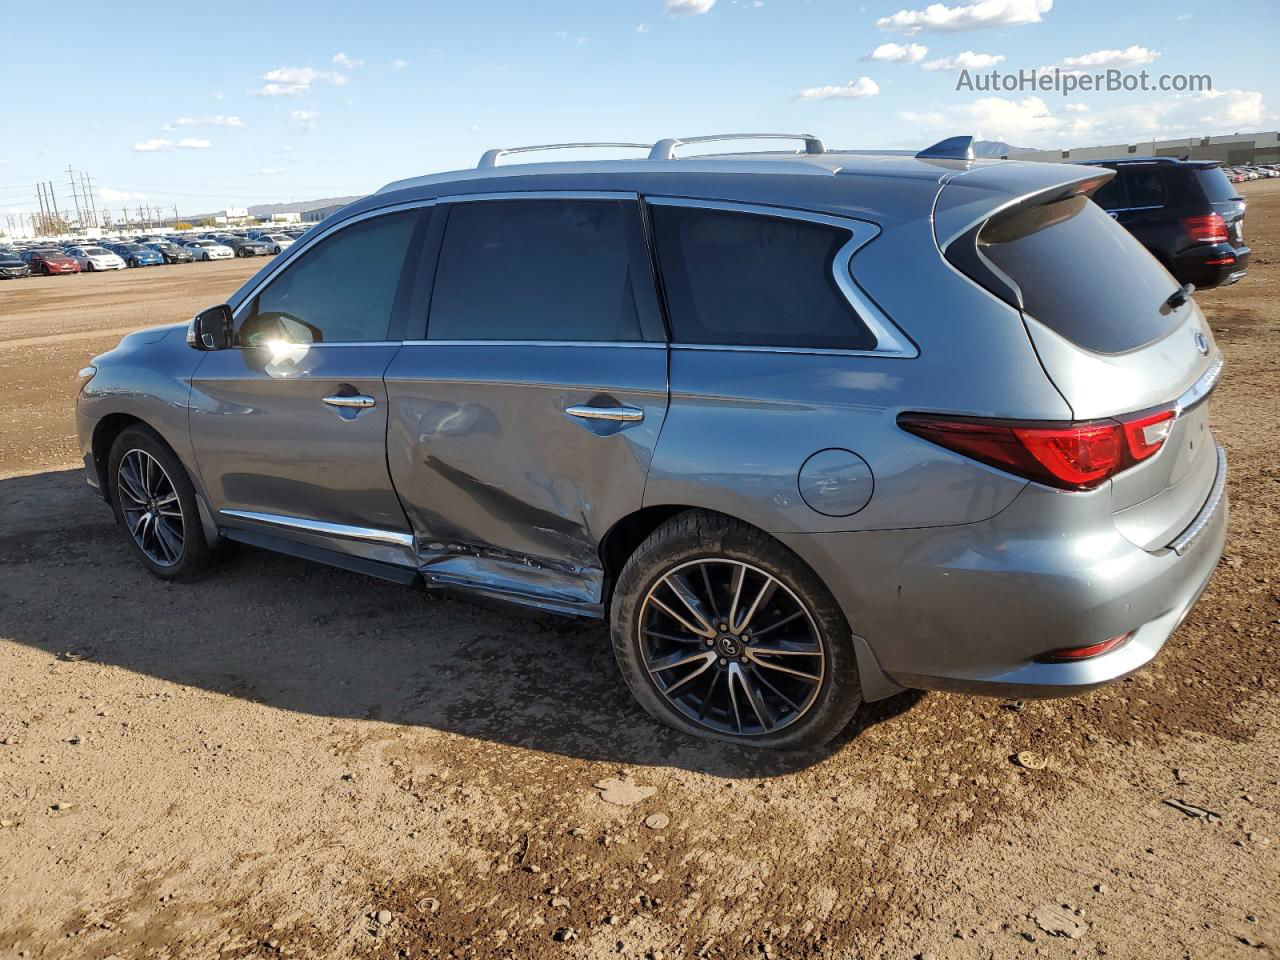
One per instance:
(1082, 275)
(95, 251)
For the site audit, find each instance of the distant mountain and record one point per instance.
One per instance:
(301, 206)
(997, 148)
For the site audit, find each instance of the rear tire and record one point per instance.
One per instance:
(155, 504)
(760, 655)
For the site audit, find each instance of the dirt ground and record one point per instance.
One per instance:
(285, 760)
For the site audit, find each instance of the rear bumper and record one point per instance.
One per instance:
(1212, 265)
(971, 608)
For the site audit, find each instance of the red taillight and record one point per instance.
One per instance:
(1071, 654)
(1071, 456)
(1209, 229)
(1146, 435)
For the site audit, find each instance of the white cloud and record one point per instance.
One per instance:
(1031, 123)
(1183, 17)
(111, 195)
(898, 53)
(968, 60)
(967, 16)
(928, 119)
(215, 121)
(685, 8)
(399, 64)
(342, 60)
(270, 171)
(160, 143)
(1128, 57)
(292, 81)
(854, 89)
(217, 96)
(303, 119)
(642, 28)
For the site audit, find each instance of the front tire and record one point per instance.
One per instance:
(720, 631)
(155, 504)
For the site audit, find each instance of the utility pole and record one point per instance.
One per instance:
(53, 199)
(40, 200)
(86, 185)
(75, 197)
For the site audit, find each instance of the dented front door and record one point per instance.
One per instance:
(513, 459)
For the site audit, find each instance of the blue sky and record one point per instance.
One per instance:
(205, 105)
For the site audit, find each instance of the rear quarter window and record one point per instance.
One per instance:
(1217, 188)
(1082, 275)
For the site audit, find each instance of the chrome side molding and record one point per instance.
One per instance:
(373, 534)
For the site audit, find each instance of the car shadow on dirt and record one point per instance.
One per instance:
(304, 637)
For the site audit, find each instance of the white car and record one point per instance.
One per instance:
(95, 258)
(278, 241)
(208, 250)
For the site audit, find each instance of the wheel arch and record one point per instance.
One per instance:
(104, 436)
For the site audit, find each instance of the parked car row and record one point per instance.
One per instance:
(1259, 171)
(49, 258)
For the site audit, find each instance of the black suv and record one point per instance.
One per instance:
(1186, 212)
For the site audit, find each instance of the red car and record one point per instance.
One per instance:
(49, 262)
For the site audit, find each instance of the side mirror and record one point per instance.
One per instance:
(211, 329)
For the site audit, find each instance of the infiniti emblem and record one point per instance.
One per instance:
(1202, 343)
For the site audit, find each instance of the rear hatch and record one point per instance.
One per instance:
(1223, 199)
(1109, 326)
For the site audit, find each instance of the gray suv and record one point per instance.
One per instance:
(806, 429)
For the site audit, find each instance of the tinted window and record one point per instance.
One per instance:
(1110, 196)
(1217, 188)
(1146, 186)
(342, 289)
(536, 270)
(745, 279)
(1083, 275)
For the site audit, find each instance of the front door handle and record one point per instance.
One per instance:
(625, 414)
(358, 402)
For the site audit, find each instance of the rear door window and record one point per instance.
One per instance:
(1146, 186)
(1083, 275)
(541, 269)
(745, 279)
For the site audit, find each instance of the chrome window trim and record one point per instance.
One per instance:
(642, 344)
(346, 531)
(1189, 536)
(305, 243)
(540, 195)
(890, 340)
(1200, 390)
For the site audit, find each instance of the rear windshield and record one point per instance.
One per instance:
(1217, 188)
(1083, 275)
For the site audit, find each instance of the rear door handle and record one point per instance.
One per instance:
(625, 414)
(358, 402)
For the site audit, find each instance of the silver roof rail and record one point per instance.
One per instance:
(490, 158)
(666, 149)
(952, 148)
